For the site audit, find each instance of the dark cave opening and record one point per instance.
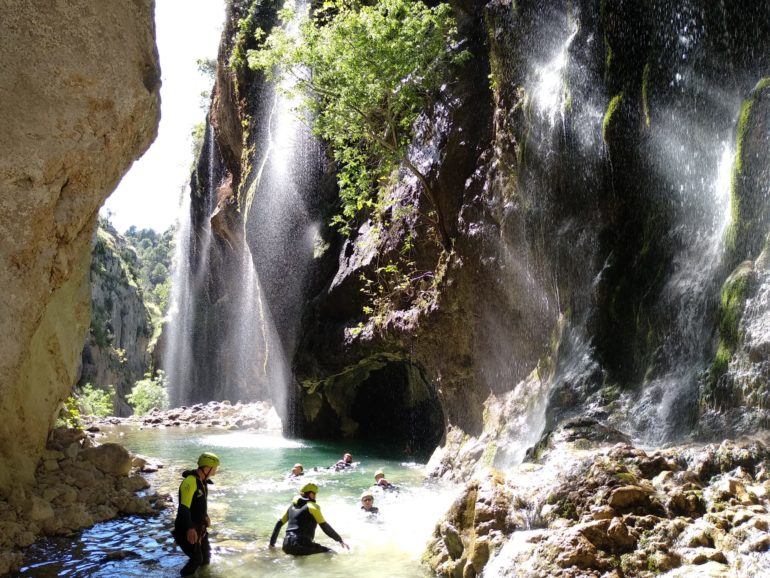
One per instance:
(398, 410)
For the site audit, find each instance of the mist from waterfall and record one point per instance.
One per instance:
(703, 182)
(530, 285)
(282, 222)
(220, 336)
(690, 150)
(188, 277)
(692, 153)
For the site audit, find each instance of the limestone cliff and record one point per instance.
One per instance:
(582, 159)
(117, 349)
(80, 101)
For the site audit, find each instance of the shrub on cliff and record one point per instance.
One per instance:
(364, 72)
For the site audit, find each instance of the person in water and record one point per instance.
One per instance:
(367, 503)
(379, 480)
(297, 471)
(344, 463)
(301, 519)
(192, 520)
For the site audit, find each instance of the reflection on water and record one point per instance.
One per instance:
(250, 493)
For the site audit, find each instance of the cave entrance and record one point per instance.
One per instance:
(398, 410)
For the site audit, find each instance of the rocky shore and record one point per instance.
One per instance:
(77, 484)
(584, 509)
(259, 415)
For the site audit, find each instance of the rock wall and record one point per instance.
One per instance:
(80, 101)
(574, 158)
(116, 352)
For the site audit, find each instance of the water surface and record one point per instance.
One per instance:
(250, 493)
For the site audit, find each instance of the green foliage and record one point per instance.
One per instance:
(741, 218)
(198, 133)
(364, 72)
(646, 94)
(732, 300)
(153, 253)
(69, 415)
(148, 393)
(207, 67)
(95, 401)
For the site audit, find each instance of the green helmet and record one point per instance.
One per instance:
(309, 487)
(208, 459)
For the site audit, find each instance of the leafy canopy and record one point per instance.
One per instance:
(364, 72)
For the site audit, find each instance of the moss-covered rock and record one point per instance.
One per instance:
(751, 172)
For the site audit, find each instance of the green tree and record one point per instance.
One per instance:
(148, 393)
(365, 72)
(152, 257)
(94, 401)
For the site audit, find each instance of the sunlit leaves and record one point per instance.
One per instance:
(364, 73)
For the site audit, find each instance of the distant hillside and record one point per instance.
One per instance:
(130, 283)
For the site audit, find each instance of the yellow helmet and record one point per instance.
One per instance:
(309, 487)
(208, 459)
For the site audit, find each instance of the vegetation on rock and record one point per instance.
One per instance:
(148, 393)
(364, 74)
(154, 252)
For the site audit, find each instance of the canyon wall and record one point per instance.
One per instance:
(79, 102)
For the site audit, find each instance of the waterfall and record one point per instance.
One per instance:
(567, 172)
(188, 277)
(241, 275)
(283, 204)
(668, 400)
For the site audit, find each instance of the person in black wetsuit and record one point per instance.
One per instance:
(192, 520)
(296, 472)
(301, 518)
(344, 463)
(380, 481)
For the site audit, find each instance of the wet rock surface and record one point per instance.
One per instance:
(77, 484)
(600, 510)
(259, 415)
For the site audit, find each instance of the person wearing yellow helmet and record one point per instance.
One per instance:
(301, 519)
(192, 520)
(367, 503)
(380, 481)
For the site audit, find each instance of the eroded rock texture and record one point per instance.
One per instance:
(79, 101)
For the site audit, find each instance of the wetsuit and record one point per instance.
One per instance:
(301, 518)
(193, 513)
(372, 510)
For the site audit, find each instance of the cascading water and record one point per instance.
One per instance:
(219, 335)
(283, 217)
(243, 274)
(688, 295)
(552, 67)
(686, 142)
(189, 271)
(691, 152)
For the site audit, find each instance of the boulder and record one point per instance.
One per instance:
(110, 458)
